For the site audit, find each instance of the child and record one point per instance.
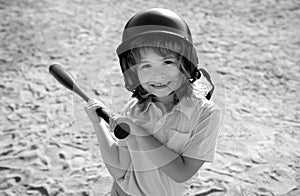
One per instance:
(173, 128)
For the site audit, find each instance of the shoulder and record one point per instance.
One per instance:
(210, 107)
(204, 105)
(200, 89)
(206, 109)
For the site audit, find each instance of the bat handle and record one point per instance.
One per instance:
(79, 92)
(121, 131)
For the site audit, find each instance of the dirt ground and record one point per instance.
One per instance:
(251, 47)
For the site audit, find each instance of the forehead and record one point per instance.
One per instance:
(156, 53)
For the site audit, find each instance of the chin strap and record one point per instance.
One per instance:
(197, 75)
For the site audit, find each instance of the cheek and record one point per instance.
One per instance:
(178, 78)
(174, 73)
(143, 77)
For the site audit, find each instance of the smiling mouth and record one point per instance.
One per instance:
(160, 85)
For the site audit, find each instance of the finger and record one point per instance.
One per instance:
(112, 122)
(92, 101)
(112, 126)
(98, 102)
(94, 104)
(115, 121)
(91, 106)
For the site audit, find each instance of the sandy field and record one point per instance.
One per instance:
(47, 145)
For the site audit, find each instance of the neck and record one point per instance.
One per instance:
(165, 100)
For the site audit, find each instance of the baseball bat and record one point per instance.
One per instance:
(121, 131)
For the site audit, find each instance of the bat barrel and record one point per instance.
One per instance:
(66, 79)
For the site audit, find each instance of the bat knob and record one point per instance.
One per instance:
(122, 130)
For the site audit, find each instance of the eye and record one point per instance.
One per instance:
(170, 62)
(144, 66)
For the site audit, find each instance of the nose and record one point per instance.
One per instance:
(159, 77)
(159, 73)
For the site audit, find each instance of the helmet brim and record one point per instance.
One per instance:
(163, 34)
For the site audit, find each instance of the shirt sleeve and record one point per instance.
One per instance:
(202, 144)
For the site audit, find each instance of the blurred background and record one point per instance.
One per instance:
(251, 48)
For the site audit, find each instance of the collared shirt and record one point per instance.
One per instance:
(190, 129)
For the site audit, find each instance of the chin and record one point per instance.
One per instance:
(164, 94)
(159, 95)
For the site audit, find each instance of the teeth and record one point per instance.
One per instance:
(159, 85)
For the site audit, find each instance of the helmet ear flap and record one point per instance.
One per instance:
(190, 64)
(130, 79)
(129, 74)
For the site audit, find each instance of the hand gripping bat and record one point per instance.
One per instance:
(121, 131)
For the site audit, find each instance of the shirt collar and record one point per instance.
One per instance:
(188, 104)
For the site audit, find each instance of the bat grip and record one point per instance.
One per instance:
(121, 131)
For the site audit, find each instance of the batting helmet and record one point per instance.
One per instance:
(151, 23)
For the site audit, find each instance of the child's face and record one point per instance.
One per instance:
(157, 74)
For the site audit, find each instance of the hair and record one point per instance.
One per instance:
(163, 47)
